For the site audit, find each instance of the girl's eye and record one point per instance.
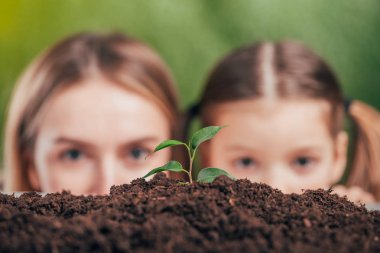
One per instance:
(72, 155)
(245, 163)
(303, 162)
(138, 153)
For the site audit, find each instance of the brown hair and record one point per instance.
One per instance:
(123, 60)
(298, 73)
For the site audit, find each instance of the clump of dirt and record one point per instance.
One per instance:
(162, 215)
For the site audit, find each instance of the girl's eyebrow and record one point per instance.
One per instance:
(294, 150)
(307, 148)
(240, 147)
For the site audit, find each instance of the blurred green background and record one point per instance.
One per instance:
(191, 35)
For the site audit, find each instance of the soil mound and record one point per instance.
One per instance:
(162, 215)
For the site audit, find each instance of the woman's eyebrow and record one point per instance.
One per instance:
(71, 141)
(150, 139)
(64, 139)
(77, 143)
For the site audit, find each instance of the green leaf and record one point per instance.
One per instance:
(203, 135)
(208, 175)
(168, 143)
(170, 166)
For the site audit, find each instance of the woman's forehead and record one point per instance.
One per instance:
(86, 110)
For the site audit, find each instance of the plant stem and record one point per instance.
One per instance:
(188, 174)
(190, 171)
(191, 164)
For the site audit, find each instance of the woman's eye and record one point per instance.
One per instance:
(138, 153)
(72, 155)
(245, 162)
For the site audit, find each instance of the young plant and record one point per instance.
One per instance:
(206, 175)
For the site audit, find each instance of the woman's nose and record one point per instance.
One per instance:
(107, 175)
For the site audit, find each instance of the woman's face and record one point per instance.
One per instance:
(286, 144)
(96, 134)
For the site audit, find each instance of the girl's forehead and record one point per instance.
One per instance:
(267, 109)
(286, 120)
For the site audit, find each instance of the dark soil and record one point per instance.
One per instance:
(163, 216)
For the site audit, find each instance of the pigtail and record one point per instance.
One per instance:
(365, 167)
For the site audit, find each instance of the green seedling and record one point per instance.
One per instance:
(206, 175)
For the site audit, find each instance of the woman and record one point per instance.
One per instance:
(85, 114)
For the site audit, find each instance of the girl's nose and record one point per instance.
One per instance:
(276, 178)
(107, 175)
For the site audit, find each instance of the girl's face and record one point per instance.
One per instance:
(286, 143)
(96, 134)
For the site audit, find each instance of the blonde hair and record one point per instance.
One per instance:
(122, 60)
(365, 163)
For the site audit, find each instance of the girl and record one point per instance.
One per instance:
(85, 114)
(284, 109)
